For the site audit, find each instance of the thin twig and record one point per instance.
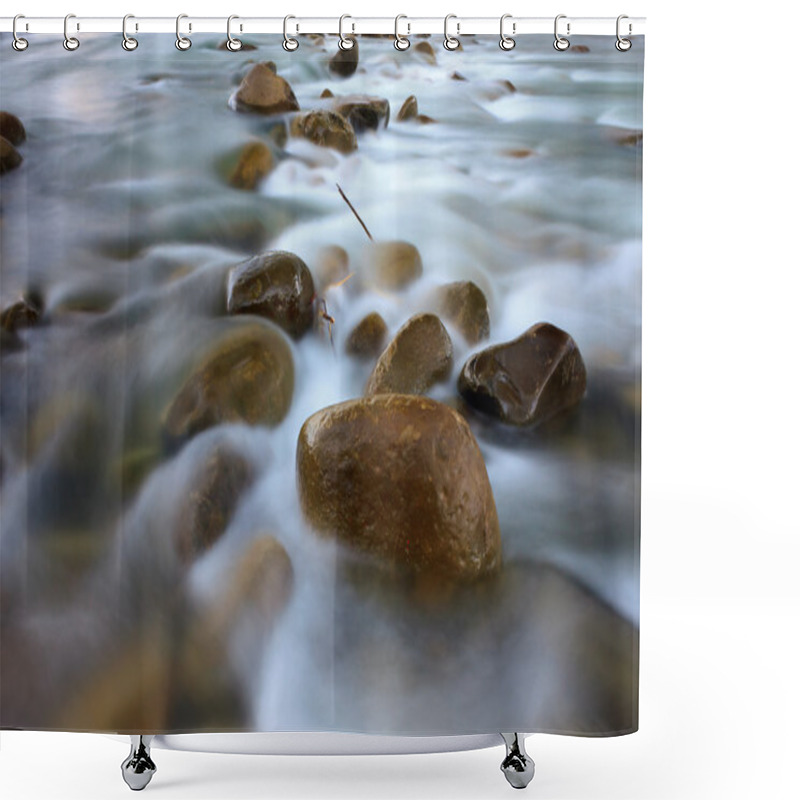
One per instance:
(366, 230)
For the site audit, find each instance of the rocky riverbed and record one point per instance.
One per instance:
(320, 386)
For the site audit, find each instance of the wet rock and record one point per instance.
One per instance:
(632, 139)
(9, 156)
(11, 128)
(325, 94)
(279, 134)
(368, 338)
(409, 109)
(425, 50)
(579, 48)
(363, 112)
(392, 265)
(254, 164)
(326, 129)
(276, 285)
(20, 314)
(528, 380)
(216, 486)
(332, 266)
(248, 376)
(265, 92)
(457, 76)
(420, 355)
(464, 304)
(402, 479)
(424, 119)
(344, 63)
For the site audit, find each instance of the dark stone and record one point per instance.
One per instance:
(344, 63)
(254, 164)
(11, 128)
(528, 380)
(9, 156)
(326, 129)
(276, 285)
(409, 109)
(464, 304)
(368, 338)
(363, 112)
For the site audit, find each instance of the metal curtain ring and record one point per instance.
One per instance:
(181, 42)
(232, 44)
(345, 42)
(70, 42)
(289, 43)
(128, 42)
(623, 45)
(506, 42)
(561, 43)
(18, 43)
(401, 42)
(450, 42)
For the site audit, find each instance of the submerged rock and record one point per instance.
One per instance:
(426, 51)
(392, 265)
(464, 304)
(420, 355)
(11, 128)
(276, 285)
(254, 164)
(409, 109)
(332, 266)
(325, 94)
(217, 484)
(528, 380)
(401, 478)
(248, 376)
(10, 157)
(326, 129)
(368, 338)
(20, 314)
(344, 63)
(265, 92)
(362, 111)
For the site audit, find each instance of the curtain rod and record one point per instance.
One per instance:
(513, 26)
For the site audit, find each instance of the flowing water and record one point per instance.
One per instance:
(121, 220)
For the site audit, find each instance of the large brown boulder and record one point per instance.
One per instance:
(326, 129)
(276, 285)
(265, 92)
(420, 355)
(248, 376)
(528, 380)
(401, 478)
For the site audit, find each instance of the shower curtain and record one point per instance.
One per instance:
(320, 385)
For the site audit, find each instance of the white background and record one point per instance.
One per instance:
(720, 533)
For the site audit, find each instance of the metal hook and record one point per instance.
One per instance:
(450, 42)
(561, 43)
(506, 42)
(19, 44)
(401, 42)
(233, 44)
(70, 42)
(345, 42)
(128, 42)
(623, 45)
(289, 44)
(181, 42)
